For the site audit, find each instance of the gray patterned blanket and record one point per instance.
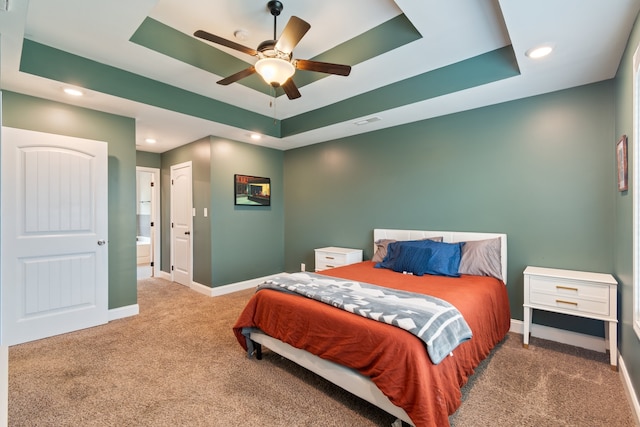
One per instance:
(436, 322)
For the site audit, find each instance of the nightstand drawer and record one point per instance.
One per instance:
(332, 256)
(578, 305)
(571, 288)
(323, 265)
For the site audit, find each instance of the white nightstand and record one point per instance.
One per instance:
(331, 257)
(578, 293)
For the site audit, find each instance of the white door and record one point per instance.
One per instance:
(54, 234)
(181, 223)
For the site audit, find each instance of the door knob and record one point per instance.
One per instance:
(101, 242)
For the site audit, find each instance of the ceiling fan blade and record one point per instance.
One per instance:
(224, 42)
(237, 76)
(293, 32)
(322, 67)
(291, 89)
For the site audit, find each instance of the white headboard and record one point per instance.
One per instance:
(447, 236)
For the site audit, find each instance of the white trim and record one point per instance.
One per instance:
(164, 275)
(231, 287)
(562, 336)
(156, 230)
(632, 396)
(122, 312)
(4, 385)
(635, 201)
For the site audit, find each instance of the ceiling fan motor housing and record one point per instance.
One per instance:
(275, 7)
(267, 49)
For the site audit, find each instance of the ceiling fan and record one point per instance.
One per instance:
(275, 57)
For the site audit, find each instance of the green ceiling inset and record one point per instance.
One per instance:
(482, 69)
(168, 41)
(55, 64)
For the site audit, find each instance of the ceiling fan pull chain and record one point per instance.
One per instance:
(272, 103)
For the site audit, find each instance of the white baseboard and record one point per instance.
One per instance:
(224, 289)
(4, 385)
(122, 312)
(231, 287)
(559, 335)
(632, 397)
(201, 289)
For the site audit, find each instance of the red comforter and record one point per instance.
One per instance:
(394, 359)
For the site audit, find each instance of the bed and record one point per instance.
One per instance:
(378, 362)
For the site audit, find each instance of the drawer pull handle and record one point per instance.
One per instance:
(566, 288)
(330, 266)
(559, 301)
(329, 257)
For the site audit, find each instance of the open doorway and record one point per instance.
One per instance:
(147, 222)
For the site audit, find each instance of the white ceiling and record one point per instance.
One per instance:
(589, 37)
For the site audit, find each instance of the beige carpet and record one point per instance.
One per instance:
(178, 364)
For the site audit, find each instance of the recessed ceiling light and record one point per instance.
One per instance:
(256, 136)
(73, 92)
(539, 51)
(150, 141)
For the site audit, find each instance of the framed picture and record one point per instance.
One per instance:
(621, 160)
(251, 190)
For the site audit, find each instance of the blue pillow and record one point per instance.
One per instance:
(392, 252)
(412, 259)
(444, 259)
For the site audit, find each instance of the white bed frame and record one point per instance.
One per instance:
(347, 378)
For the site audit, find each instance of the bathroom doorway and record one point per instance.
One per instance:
(147, 222)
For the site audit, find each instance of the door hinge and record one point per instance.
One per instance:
(151, 223)
(171, 225)
(172, 268)
(151, 265)
(171, 182)
(153, 183)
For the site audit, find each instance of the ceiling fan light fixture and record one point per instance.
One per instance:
(275, 71)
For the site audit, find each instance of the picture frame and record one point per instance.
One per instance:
(622, 166)
(249, 190)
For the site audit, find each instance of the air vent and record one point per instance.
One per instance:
(4, 5)
(367, 121)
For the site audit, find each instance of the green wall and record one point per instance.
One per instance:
(26, 112)
(538, 169)
(247, 241)
(148, 160)
(629, 344)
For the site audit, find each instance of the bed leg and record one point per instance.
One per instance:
(253, 348)
(258, 350)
